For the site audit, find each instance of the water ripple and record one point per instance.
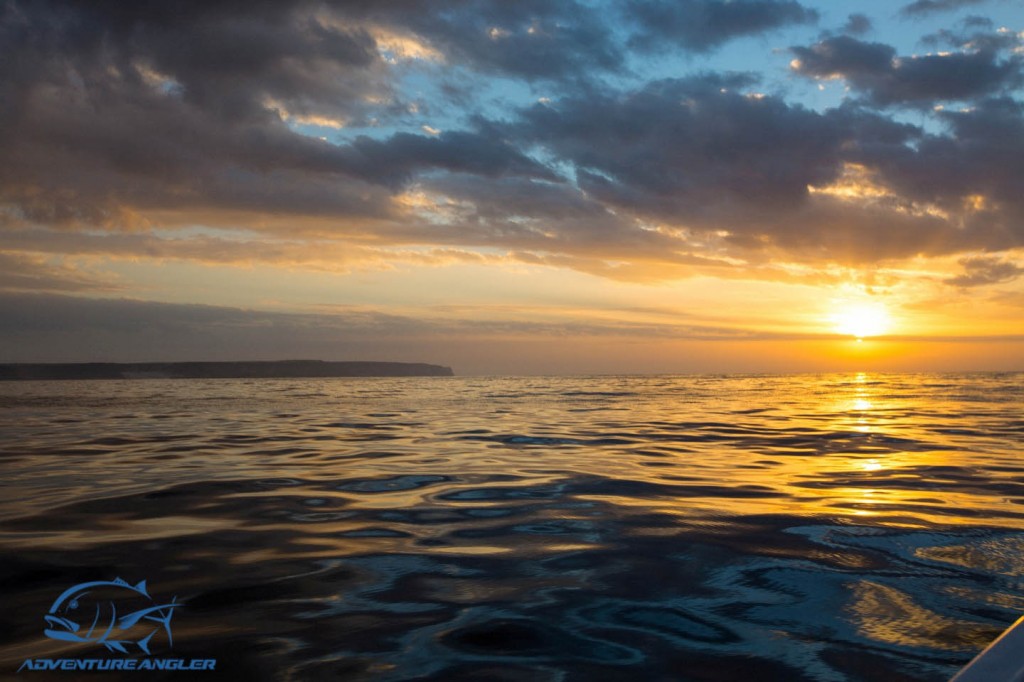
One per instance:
(834, 527)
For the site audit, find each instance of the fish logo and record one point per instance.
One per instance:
(89, 612)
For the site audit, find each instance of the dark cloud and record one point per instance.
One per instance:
(702, 25)
(974, 34)
(978, 165)
(975, 21)
(982, 270)
(110, 107)
(107, 119)
(223, 57)
(956, 76)
(394, 160)
(921, 8)
(700, 148)
(57, 328)
(534, 39)
(709, 156)
(122, 117)
(885, 79)
(857, 24)
(54, 328)
(843, 56)
(853, 232)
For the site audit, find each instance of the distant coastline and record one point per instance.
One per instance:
(288, 369)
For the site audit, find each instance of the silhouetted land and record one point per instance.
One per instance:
(219, 370)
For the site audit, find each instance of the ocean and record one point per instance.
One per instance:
(805, 527)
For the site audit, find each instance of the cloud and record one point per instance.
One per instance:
(525, 215)
(711, 168)
(875, 70)
(703, 25)
(394, 161)
(686, 145)
(54, 328)
(974, 171)
(703, 154)
(532, 39)
(111, 132)
(975, 21)
(106, 116)
(76, 160)
(983, 270)
(841, 56)
(975, 34)
(233, 64)
(314, 57)
(78, 329)
(107, 119)
(28, 248)
(921, 8)
(857, 24)
(23, 272)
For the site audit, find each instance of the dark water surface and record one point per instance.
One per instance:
(836, 527)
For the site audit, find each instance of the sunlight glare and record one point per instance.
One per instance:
(862, 320)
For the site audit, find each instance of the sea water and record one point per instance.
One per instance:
(806, 527)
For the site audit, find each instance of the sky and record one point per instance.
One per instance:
(527, 187)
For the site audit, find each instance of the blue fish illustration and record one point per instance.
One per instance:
(88, 612)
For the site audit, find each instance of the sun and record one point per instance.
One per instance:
(862, 320)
